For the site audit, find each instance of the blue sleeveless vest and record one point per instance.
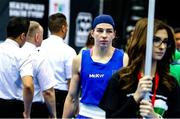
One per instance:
(95, 76)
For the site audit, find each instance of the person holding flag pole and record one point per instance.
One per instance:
(126, 91)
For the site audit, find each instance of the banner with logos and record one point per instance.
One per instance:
(32, 9)
(79, 16)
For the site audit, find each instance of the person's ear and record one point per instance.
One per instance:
(64, 28)
(22, 39)
(36, 37)
(23, 36)
(114, 35)
(91, 32)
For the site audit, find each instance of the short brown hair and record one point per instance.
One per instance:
(56, 21)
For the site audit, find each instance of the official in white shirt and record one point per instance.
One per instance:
(16, 81)
(60, 56)
(44, 104)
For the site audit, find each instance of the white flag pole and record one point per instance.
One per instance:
(101, 6)
(150, 27)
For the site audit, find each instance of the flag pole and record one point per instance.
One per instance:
(150, 27)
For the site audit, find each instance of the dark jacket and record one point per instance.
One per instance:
(121, 104)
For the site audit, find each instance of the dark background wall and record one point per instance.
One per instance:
(122, 12)
(169, 11)
(4, 16)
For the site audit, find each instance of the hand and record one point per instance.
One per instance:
(144, 86)
(147, 110)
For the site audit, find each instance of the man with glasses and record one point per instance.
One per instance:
(92, 70)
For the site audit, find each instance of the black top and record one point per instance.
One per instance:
(121, 104)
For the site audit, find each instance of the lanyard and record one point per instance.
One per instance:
(155, 87)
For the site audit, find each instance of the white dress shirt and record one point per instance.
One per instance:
(42, 73)
(14, 64)
(60, 56)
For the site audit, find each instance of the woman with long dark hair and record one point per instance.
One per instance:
(124, 96)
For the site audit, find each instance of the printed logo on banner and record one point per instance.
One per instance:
(58, 7)
(22, 9)
(83, 27)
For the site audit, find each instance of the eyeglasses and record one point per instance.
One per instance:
(157, 42)
(108, 31)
